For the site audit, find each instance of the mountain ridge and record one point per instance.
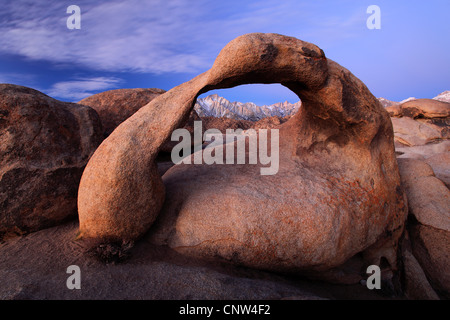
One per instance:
(218, 107)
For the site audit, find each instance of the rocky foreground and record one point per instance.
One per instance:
(33, 264)
(226, 232)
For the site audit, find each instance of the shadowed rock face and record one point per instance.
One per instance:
(337, 191)
(425, 108)
(115, 106)
(44, 146)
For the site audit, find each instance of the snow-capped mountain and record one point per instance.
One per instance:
(217, 106)
(444, 96)
(408, 99)
(387, 103)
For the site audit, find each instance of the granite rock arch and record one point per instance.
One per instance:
(340, 146)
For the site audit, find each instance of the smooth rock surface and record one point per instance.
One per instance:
(426, 108)
(337, 191)
(428, 197)
(423, 152)
(416, 284)
(431, 247)
(394, 110)
(410, 132)
(34, 268)
(115, 106)
(441, 166)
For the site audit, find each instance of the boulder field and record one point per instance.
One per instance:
(357, 184)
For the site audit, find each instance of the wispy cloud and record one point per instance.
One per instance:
(81, 88)
(154, 36)
(147, 36)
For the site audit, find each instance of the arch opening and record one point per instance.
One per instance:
(315, 163)
(251, 102)
(244, 107)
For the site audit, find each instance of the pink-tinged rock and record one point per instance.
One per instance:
(337, 191)
(416, 284)
(116, 106)
(44, 147)
(425, 108)
(431, 247)
(423, 152)
(410, 132)
(428, 197)
(441, 166)
(394, 110)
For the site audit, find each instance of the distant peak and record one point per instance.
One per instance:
(217, 106)
(408, 99)
(444, 96)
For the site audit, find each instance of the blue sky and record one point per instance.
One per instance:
(163, 43)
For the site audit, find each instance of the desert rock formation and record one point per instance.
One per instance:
(422, 143)
(337, 192)
(443, 96)
(115, 106)
(44, 147)
(421, 129)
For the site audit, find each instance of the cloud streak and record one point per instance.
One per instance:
(145, 36)
(151, 36)
(142, 36)
(79, 89)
